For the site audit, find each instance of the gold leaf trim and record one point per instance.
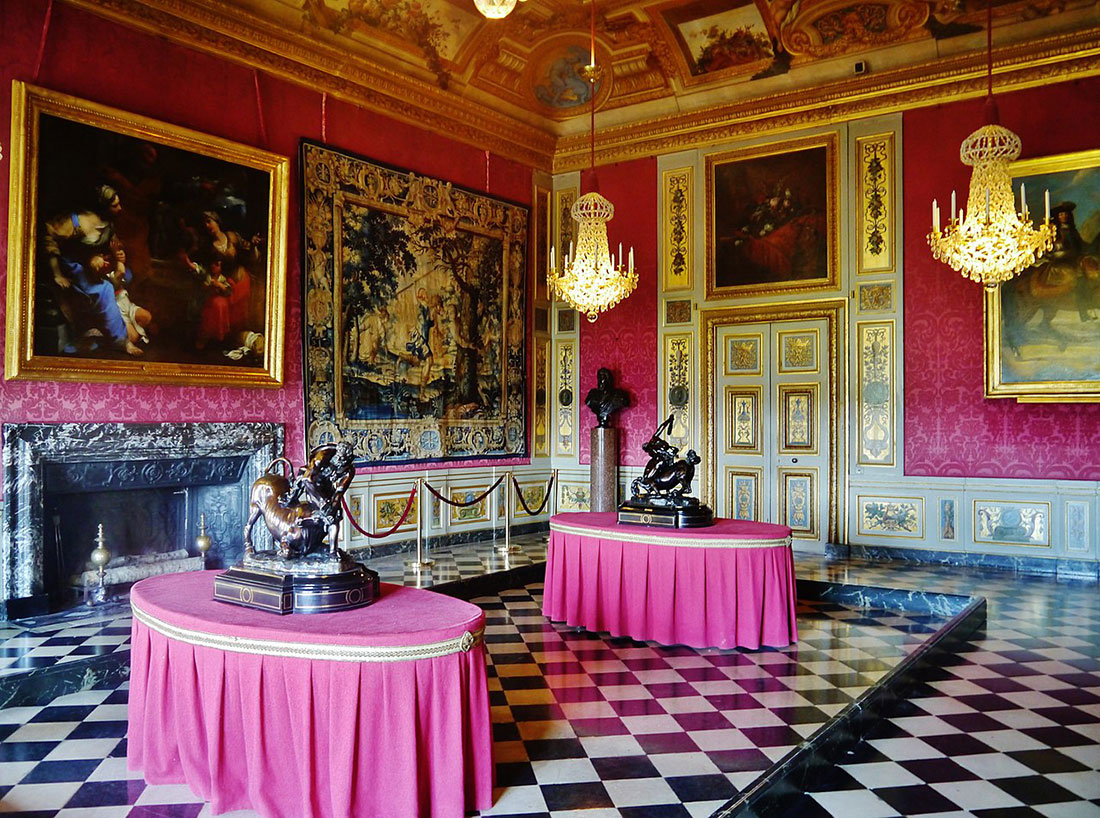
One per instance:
(306, 650)
(684, 541)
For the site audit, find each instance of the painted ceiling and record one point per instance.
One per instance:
(658, 58)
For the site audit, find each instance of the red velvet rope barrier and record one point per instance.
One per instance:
(397, 525)
(545, 497)
(467, 504)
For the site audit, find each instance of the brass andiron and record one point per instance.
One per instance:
(100, 556)
(203, 541)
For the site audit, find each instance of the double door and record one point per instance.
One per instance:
(773, 426)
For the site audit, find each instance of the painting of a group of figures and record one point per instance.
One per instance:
(415, 343)
(146, 253)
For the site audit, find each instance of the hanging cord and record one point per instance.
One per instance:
(469, 503)
(259, 107)
(42, 42)
(989, 44)
(486, 171)
(397, 525)
(592, 93)
(324, 116)
(545, 497)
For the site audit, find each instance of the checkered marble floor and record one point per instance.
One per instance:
(1007, 728)
(59, 638)
(591, 726)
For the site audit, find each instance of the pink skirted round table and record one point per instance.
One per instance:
(380, 711)
(729, 585)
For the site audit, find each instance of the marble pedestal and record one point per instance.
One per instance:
(604, 469)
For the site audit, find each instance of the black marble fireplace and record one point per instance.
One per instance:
(147, 483)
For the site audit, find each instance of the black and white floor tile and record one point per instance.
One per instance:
(59, 638)
(591, 726)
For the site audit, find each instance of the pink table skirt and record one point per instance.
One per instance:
(727, 586)
(382, 711)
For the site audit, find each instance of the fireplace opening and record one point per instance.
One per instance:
(145, 531)
(147, 483)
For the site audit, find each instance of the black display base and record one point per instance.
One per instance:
(642, 513)
(283, 592)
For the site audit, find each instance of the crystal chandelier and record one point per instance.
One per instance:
(495, 9)
(592, 280)
(989, 242)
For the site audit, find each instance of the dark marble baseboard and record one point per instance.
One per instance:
(775, 792)
(39, 686)
(486, 584)
(1059, 567)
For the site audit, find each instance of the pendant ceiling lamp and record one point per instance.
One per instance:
(989, 241)
(495, 9)
(591, 280)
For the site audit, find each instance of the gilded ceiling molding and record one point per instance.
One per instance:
(418, 101)
(1027, 65)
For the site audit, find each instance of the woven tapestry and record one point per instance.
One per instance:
(414, 313)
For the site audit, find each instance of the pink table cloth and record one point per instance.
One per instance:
(381, 711)
(730, 585)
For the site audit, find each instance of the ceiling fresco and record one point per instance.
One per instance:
(652, 51)
(514, 85)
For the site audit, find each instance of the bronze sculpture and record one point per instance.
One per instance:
(605, 399)
(662, 495)
(298, 526)
(306, 572)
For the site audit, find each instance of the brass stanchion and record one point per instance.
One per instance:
(554, 500)
(508, 548)
(419, 564)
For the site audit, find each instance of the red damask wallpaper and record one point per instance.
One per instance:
(951, 429)
(625, 339)
(94, 59)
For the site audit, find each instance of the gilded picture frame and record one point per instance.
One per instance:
(1041, 328)
(415, 313)
(772, 218)
(140, 251)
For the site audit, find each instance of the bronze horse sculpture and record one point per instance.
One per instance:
(298, 515)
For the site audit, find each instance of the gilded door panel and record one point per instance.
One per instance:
(743, 419)
(743, 353)
(797, 406)
(799, 501)
(774, 432)
(743, 486)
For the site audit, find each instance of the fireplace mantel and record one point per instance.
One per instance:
(29, 449)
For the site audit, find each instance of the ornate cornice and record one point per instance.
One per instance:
(242, 38)
(1026, 65)
(414, 96)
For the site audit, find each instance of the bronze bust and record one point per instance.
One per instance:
(606, 399)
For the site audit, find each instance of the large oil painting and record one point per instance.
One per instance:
(414, 313)
(1043, 327)
(772, 218)
(139, 251)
